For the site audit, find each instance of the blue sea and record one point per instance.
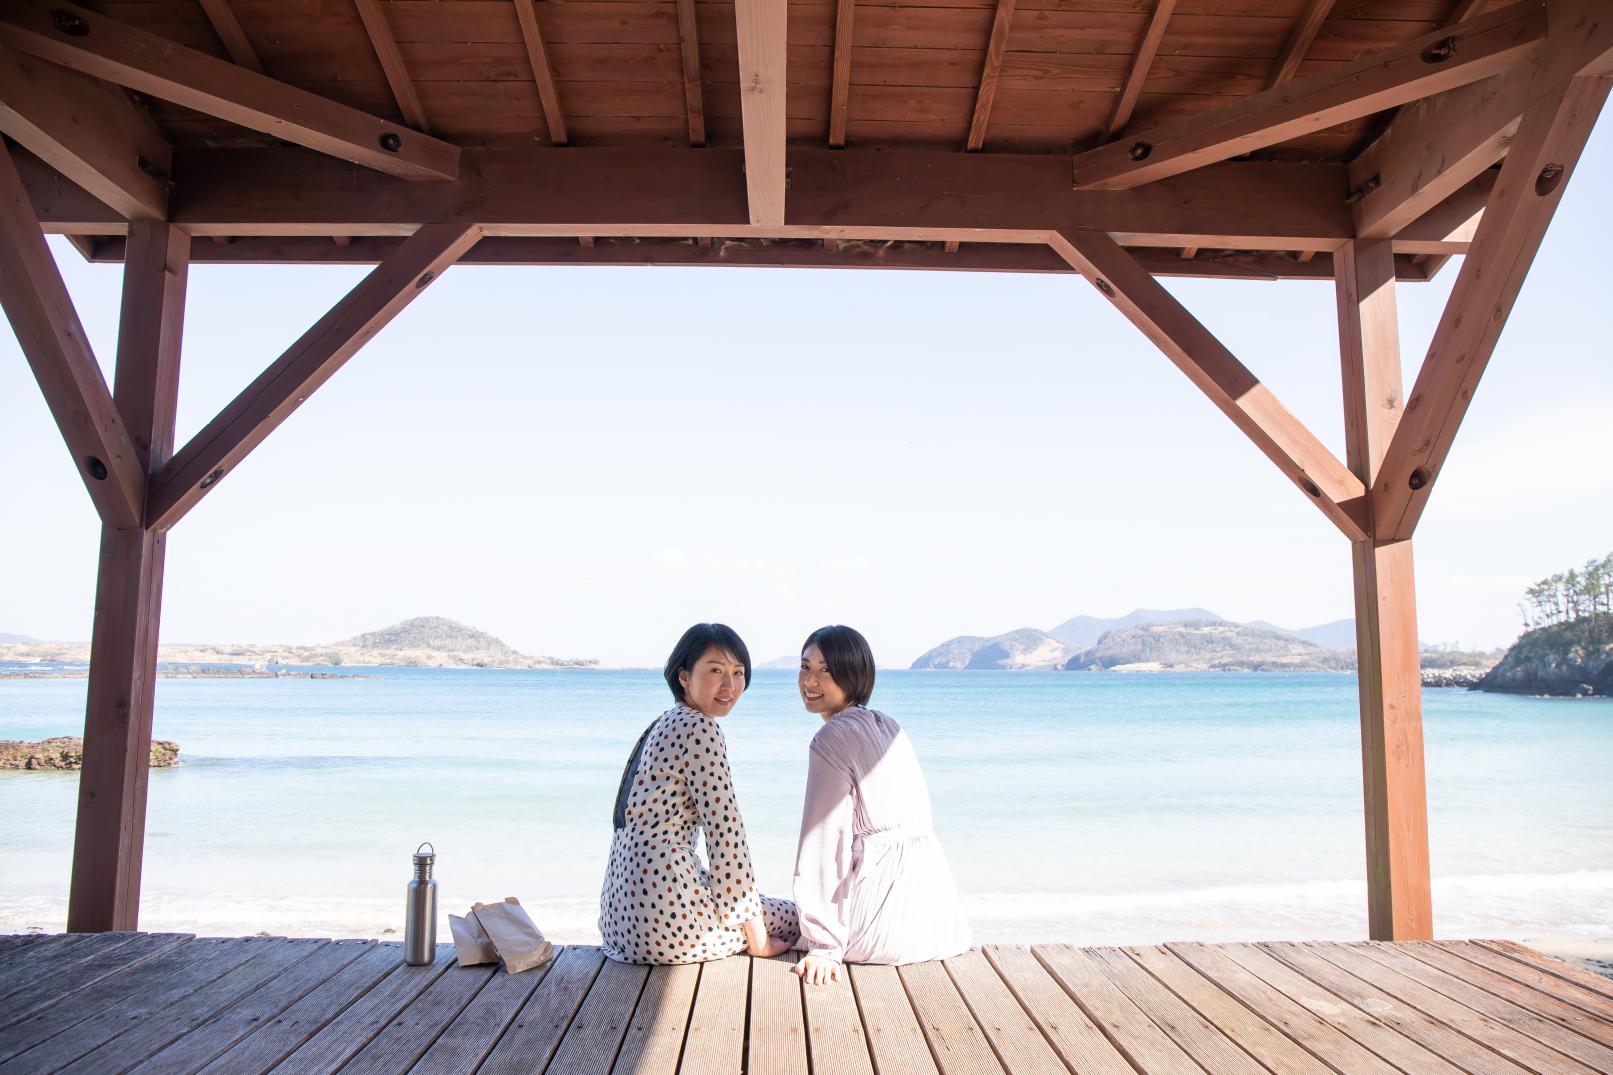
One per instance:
(1090, 808)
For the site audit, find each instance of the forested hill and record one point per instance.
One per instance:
(1570, 658)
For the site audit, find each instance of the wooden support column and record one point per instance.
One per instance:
(1389, 675)
(109, 841)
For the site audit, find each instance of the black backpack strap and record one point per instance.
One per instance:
(619, 819)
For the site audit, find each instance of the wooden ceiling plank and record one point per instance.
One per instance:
(542, 73)
(91, 132)
(309, 363)
(840, 79)
(1437, 145)
(1432, 63)
(229, 31)
(1538, 166)
(1465, 10)
(761, 26)
(996, 45)
(1220, 376)
(397, 72)
(1147, 49)
(1299, 42)
(52, 339)
(689, 46)
(117, 52)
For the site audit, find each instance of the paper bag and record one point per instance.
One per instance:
(471, 943)
(516, 938)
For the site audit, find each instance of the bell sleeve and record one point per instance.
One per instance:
(711, 784)
(823, 867)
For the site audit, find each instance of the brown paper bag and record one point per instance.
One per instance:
(516, 938)
(471, 943)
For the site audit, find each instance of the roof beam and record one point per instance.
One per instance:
(397, 73)
(92, 133)
(1219, 375)
(228, 29)
(52, 339)
(117, 52)
(689, 47)
(1147, 49)
(996, 45)
(840, 83)
(762, 26)
(1537, 169)
(1435, 62)
(1299, 42)
(309, 363)
(1438, 144)
(542, 73)
(678, 192)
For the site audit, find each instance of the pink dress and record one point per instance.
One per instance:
(871, 882)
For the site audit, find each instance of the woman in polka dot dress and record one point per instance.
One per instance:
(660, 904)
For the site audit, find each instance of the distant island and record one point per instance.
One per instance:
(1568, 647)
(1184, 640)
(423, 642)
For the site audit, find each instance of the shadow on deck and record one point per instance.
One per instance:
(170, 1003)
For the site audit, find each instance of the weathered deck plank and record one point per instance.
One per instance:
(654, 1041)
(535, 1032)
(275, 1039)
(1566, 971)
(595, 1035)
(22, 968)
(473, 1033)
(151, 1031)
(716, 1041)
(224, 1030)
(244, 1006)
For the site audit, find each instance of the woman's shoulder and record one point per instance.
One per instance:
(852, 728)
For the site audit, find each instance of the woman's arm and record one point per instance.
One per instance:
(823, 860)
(705, 770)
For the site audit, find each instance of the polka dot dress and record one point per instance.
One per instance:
(660, 903)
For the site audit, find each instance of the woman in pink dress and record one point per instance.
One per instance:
(871, 882)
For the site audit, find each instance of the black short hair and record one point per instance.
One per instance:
(850, 660)
(694, 643)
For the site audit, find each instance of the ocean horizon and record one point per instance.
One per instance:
(1087, 808)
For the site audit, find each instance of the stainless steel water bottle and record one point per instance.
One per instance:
(420, 911)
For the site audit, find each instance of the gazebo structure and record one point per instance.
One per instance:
(1358, 141)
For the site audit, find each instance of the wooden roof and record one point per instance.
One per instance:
(915, 66)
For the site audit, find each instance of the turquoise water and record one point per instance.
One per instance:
(1097, 808)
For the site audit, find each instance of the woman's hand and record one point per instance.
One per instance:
(817, 970)
(759, 943)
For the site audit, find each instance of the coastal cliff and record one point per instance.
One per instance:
(1573, 658)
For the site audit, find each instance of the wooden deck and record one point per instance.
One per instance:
(171, 1003)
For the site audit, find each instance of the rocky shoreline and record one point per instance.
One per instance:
(66, 754)
(189, 672)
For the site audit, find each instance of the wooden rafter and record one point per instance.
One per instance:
(548, 95)
(53, 341)
(309, 363)
(1438, 144)
(1299, 42)
(689, 49)
(117, 52)
(1442, 60)
(92, 133)
(996, 45)
(229, 31)
(1465, 10)
(397, 73)
(762, 27)
(1142, 61)
(840, 80)
(1537, 168)
(1220, 376)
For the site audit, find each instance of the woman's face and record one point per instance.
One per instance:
(819, 692)
(714, 684)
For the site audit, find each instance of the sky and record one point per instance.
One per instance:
(583, 461)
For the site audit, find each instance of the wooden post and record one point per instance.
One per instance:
(1398, 901)
(110, 837)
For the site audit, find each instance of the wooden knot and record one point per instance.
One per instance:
(1440, 51)
(1419, 479)
(69, 22)
(391, 141)
(95, 468)
(1548, 179)
(1140, 150)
